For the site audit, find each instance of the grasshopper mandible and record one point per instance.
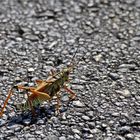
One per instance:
(45, 90)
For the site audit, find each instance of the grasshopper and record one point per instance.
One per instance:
(45, 90)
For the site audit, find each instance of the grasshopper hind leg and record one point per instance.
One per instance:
(6, 101)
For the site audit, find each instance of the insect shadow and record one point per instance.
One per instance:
(44, 113)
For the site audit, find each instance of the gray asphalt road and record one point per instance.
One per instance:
(39, 35)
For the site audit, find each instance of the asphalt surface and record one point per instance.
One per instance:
(39, 35)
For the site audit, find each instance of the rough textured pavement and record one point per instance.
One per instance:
(38, 35)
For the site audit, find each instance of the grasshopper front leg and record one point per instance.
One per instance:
(72, 94)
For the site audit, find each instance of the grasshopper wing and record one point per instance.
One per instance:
(36, 98)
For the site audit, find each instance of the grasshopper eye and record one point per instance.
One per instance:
(67, 72)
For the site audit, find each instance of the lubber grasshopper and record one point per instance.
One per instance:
(45, 90)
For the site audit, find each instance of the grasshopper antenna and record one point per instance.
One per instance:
(72, 62)
(73, 58)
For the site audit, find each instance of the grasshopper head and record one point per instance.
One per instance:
(66, 73)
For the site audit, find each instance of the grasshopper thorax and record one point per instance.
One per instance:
(65, 74)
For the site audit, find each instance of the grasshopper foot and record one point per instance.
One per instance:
(72, 97)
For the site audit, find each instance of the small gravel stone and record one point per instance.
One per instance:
(26, 121)
(18, 129)
(52, 137)
(90, 136)
(119, 138)
(128, 66)
(86, 118)
(124, 130)
(86, 130)
(76, 131)
(104, 125)
(40, 122)
(108, 138)
(98, 57)
(115, 114)
(31, 138)
(55, 120)
(38, 132)
(31, 37)
(13, 126)
(136, 138)
(78, 104)
(135, 123)
(137, 3)
(125, 93)
(42, 136)
(9, 132)
(65, 98)
(90, 113)
(91, 124)
(52, 45)
(114, 76)
(30, 69)
(77, 136)
(129, 136)
(14, 138)
(2, 122)
(62, 138)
